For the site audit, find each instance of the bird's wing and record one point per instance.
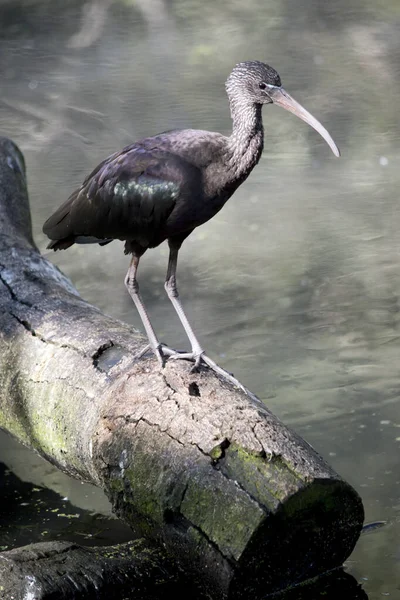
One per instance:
(128, 196)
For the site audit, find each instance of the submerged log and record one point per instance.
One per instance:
(242, 503)
(67, 571)
(132, 571)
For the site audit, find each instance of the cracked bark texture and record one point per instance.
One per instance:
(67, 571)
(243, 504)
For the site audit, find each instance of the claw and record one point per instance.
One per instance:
(162, 353)
(160, 356)
(228, 377)
(196, 358)
(165, 352)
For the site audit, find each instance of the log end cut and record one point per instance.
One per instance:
(243, 503)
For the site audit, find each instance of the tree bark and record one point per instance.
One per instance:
(67, 571)
(243, 504)
(132, 571)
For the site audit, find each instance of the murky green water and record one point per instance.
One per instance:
(295, 285)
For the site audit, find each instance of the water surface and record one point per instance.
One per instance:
(295, 285)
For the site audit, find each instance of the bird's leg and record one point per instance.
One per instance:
(197, 354)
(133, 289)
(172, 291)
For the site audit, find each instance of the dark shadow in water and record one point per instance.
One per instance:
(30, 514)
(331, 586)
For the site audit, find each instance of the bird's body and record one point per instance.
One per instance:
(154, 189)
(163, 187)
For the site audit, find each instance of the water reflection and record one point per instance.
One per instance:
(31, 514)
(330, 586)
(295, 285)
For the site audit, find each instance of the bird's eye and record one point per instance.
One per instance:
(262, 86)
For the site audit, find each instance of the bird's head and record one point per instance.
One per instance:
(254, 82)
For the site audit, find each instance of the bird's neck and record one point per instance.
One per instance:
(245, 144)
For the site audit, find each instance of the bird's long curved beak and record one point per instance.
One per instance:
(280, 96)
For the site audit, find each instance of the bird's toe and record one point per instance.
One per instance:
(195, 357)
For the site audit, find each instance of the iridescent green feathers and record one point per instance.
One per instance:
(129, 196)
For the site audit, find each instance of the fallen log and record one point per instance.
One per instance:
(243, 504)
(132, 571)
(68, 571)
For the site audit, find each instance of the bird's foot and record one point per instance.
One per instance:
(222, 372)
(193, 356)
(142, 352)
(200, 359)
(227, 376)
(161, 352)
(164, 353)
